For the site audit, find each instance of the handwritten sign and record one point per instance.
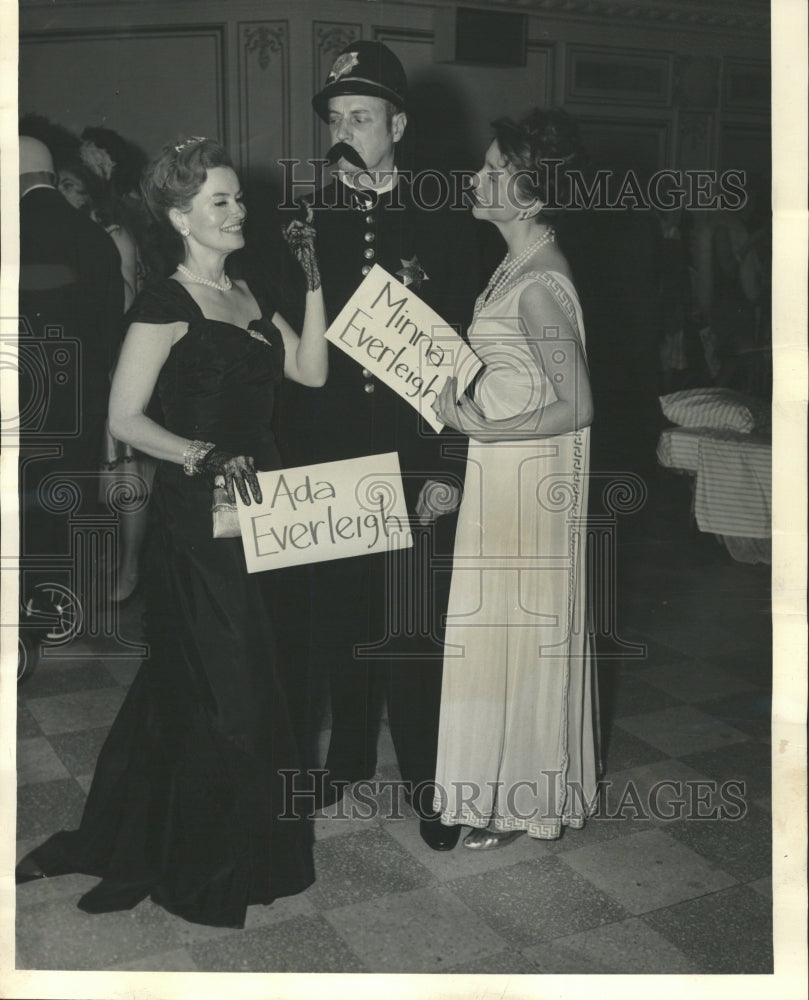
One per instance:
(328, 511)
(387, 329)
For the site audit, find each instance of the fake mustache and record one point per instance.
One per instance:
(342, 150)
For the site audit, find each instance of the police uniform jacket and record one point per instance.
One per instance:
(435, 253)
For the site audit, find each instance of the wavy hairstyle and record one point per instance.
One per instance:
(175, 177)
(543, 146)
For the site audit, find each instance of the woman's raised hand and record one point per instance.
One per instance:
(238, 471)
(300, 236)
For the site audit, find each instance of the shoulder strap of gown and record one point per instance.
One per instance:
(564, 291)
(162, 301)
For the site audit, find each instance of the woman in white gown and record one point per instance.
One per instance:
(518, 743)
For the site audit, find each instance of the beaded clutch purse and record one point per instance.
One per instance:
(225, 515)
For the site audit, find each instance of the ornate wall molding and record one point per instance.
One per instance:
(390, 32)
(598, 75)
(329, 38)
(694, 140)
(745, 15)
(74, 79)
(266, 40)
(642, 145)
(548, 49)
(696, 81)
(747, 86)
(264, 93)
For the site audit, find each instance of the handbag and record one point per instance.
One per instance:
(225, 515)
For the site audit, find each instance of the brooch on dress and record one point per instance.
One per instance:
(259, 336)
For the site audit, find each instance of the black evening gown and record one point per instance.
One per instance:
(187, 801)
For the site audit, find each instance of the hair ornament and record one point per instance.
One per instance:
(97, 160)
(190, 141)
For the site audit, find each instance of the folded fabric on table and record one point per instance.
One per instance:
(734, 487)
(717, 408)
(678, 447)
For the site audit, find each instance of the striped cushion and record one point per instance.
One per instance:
(720, 409)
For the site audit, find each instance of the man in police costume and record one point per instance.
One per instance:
(329, 611)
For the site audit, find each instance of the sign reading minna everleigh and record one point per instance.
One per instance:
(404, 343)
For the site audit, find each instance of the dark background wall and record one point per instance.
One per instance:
(682, 83)
(653, 84)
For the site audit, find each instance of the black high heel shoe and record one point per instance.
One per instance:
(110, 895)
(28, 870)
(40, 863)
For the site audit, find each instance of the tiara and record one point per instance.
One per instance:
(189, 142)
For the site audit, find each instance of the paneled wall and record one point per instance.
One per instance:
(689, 91)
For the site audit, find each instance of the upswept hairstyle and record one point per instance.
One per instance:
(171, 181)
(178, 173)
(532, 144)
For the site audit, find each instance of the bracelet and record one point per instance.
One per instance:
(194, 454)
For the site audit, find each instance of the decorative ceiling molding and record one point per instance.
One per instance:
(740, 15)
(748, 15)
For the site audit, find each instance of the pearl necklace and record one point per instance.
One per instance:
(509, 266)
(224, 286)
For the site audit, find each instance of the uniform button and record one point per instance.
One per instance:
(369, 220)
(370, 237)
(366, 373)
(366, 269)
(369, 387)
(368, 253)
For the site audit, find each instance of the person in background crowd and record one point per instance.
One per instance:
(115, 167)
(71, 298)
(731, 256)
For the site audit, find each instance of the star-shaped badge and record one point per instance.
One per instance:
(412, 273)
(343, 64)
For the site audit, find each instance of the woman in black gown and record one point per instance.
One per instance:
(187, 805)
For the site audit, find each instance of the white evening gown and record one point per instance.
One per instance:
(518, 738)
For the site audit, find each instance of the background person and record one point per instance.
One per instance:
(115, 167)
(71, 298)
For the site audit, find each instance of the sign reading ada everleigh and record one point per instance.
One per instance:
(404, 343)
(329, 511)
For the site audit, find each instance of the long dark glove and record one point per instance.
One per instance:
(237, 470)
(300, 237)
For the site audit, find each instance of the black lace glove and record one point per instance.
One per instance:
(300, 237)
(237, 470)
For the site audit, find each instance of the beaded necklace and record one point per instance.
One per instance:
(508, 267)
(223, 286)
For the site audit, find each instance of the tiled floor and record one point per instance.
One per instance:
(678, 891)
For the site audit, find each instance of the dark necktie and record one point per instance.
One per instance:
(364, 201)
